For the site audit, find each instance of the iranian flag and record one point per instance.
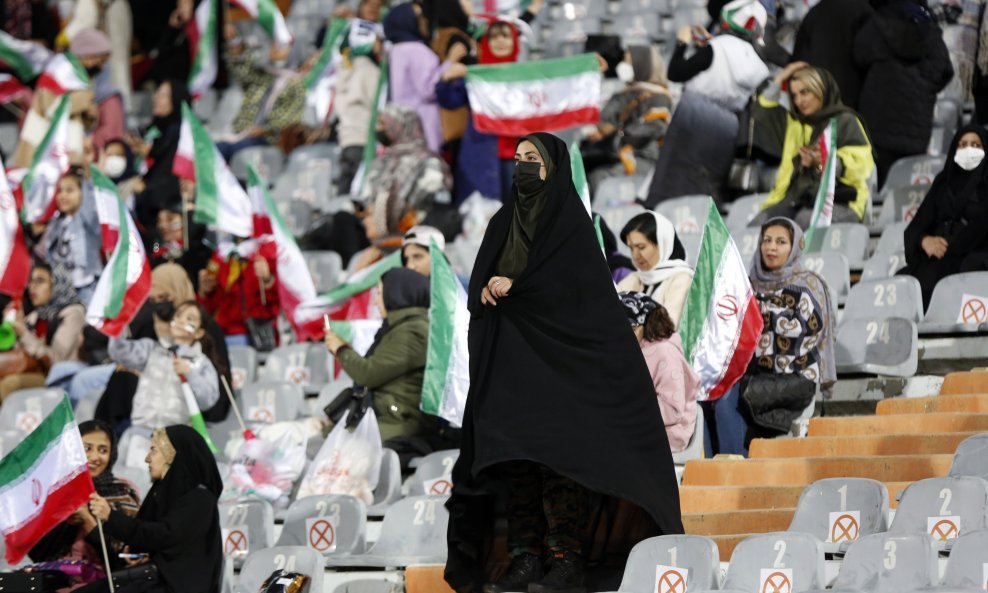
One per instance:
(320, 81)
(721, 321)
(63, 73)
(295, 284)
(125, 282)
(359, 333)
(50, 162)
(220, 200)
(26, 59)
(823, 207)
(269, 18)
(107, 209)
(202, 32)
(579, 175)
(526, 97)
(370, 146)
(447, 363)
(15, 262)
(43, 480)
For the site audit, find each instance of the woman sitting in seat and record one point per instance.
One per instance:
(660, 259)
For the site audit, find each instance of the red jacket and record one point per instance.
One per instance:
(233, 297)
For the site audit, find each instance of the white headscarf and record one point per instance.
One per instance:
(665, 268)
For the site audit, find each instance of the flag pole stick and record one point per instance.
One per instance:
(106, 556)
(233, 406)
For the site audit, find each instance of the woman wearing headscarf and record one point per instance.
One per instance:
(947, 236)
(545, 375)
(660, 262)
(178, 526)
(719, 78)
(77, 538)
(815, 100)
(117, 161)
(394, 365)
(158, 148)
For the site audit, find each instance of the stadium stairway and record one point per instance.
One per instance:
(907, 439)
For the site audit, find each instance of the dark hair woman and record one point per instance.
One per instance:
(551, 362)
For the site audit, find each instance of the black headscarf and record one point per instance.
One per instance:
(402, 24)
(105, 482)
(131, 169)
(514, 255)
(550, 365)
(404, 288)
(955, 186)
(446, 13)
(180, 94)
(194, 466)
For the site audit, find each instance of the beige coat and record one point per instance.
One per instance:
(671, 294)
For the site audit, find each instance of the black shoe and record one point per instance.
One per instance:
(565, 575)
(523, 571)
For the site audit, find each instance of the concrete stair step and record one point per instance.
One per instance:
(727, 523)
(426, 578)
(802, 471)
(965, 382)
(727, 543)
(868, 445)
(898, 424)
(700, 499)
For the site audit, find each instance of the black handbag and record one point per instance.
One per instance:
(357, 399)
(262, 334)
(146, 573)
(42, 581)
(774, 401)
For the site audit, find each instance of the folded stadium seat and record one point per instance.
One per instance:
(946, 119)
(305, 365)
(326, 268)
(834, 269)
(636, 28)
(243, 366)
(260, 564)
(696, 557)
(139, 477)
(227, 109)
(892, 239)
(883, 265)
(615, 191)
(687, 213)
(434, 474)
(268, 161)
(24, 409)
(958, 305)
(413, 532)
(205, 105)
(223, 432)
(694, 448)
(782, 561)
(746, 239)
(247, 525)
(642, 6)
(839, 511)
(851, 239)
(743, 210)
(297, 214)
(331, 524)
(887, 563)
(913, 170)
(303, 156)
(877, 345)
(616, 216)
(967, 562)
(133, 447)
(945, 508)
(266, 402)
(85, 408)
(311, 183)
(899, 296)
(971, 457)
(900, 205)
(388, 489)
(691, 243)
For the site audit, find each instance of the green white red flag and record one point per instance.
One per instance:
(43, 480)
(202, 32)
(269, 17)
(50, 162)
(107, 209)
(721, 321)
(447, 364)
(26, 59)
(62, 74)
(14, 258)
(823, 206)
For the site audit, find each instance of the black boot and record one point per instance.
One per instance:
(565, 575)
(524, 570)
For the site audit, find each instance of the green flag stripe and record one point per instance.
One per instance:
(206, 42)
(33, 448)
(102, 181)
(77, 67)
(344, 329)
(442, 326)
(330, 41)
(537, 70)
(121, 261)
(370, 147)
(17, 62)
(697, 307)
(265, 16)
(821, 196)
(39, 153)
(349, 289)
(207, 200)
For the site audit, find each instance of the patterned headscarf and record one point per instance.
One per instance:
(62, 294)
(637, 305)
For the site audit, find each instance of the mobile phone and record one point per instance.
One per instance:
(131, 556)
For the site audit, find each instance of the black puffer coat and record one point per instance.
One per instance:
(905, 64)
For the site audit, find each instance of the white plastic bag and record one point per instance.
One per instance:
(267, 468)
(348, 462)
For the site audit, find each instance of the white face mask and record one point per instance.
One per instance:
(625, 72)
(114, 165)
(969, 157)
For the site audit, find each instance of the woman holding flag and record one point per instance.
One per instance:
(561, 404)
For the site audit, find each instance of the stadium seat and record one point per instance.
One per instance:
(304, 156)
(959, 305)
(271, 401)
(782, 561)
(388, 489)
(945, 508)
(839, 511)
(883, 265)
(968, 558)
(746, 239)
(636, 28)
(247, 525)
(260, 564)
(901, 204)
(971, 457)
(877, 345)
(326, 268)
(892, 239)
(342, 530)
(24, 409)
(834, 269)
(243, 366)
(268, 161)
(691, 243)
(413, 532)
(620, 190)
(226, 111)
(297, 215)
(85, 408)
(139, 477)
(913, 170)
(9, 438)
(311, 184)
(697, 555)
(744, 210)
(851, 239)
(434, 474)
(616, 216)
(687, 213)
(887, 563)
(135, 442)
(205, 105)
(642, 6)
(9, 135)
(899, 296)
(299, 364)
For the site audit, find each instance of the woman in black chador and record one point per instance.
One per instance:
(561, 404)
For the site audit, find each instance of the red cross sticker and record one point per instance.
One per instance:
(321, 535)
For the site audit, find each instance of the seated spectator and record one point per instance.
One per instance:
(660, 262)
(178, 526)
(241, 290)
(77, 538)
(945, 236)
(117, 162)
(185, 355)
(415, 253)
(168, 244)
(394, 366)
(620, 264)
(52, 332)
(72, 239)
(634, 120)
(815, 100)
(92, 47)
(676, 384)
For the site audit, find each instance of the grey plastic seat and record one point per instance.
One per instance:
(139, 477)
(413, 532)
(834, 269)
(691, 243)
(243, 366)
(9, 438)
(687, 213)
(887, 563)
(900, 296)
(248, 526)
(297, 215)
(434, 474)
(24, 409)
(878, 346)
(271, 401)
(617, 191)
(945, 508)
(298, 364)
(695, 553)
(958, 297)
(85, 408)
(268, 161)
(883, 265)
(333, 525)
(851, 239)
(744, 210)
(901, 204)
(746, 240)
(388, 490)
(301, 157)
(892, 239)
(617, 216)
(968, 558)
(325, 267)
(839, 511)
(777, 559)
(226, 110)
(9, 135)
(260, 564)
(914, 170)
(311, 184)
(971, 457)
(135, 442)
(205, 105)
